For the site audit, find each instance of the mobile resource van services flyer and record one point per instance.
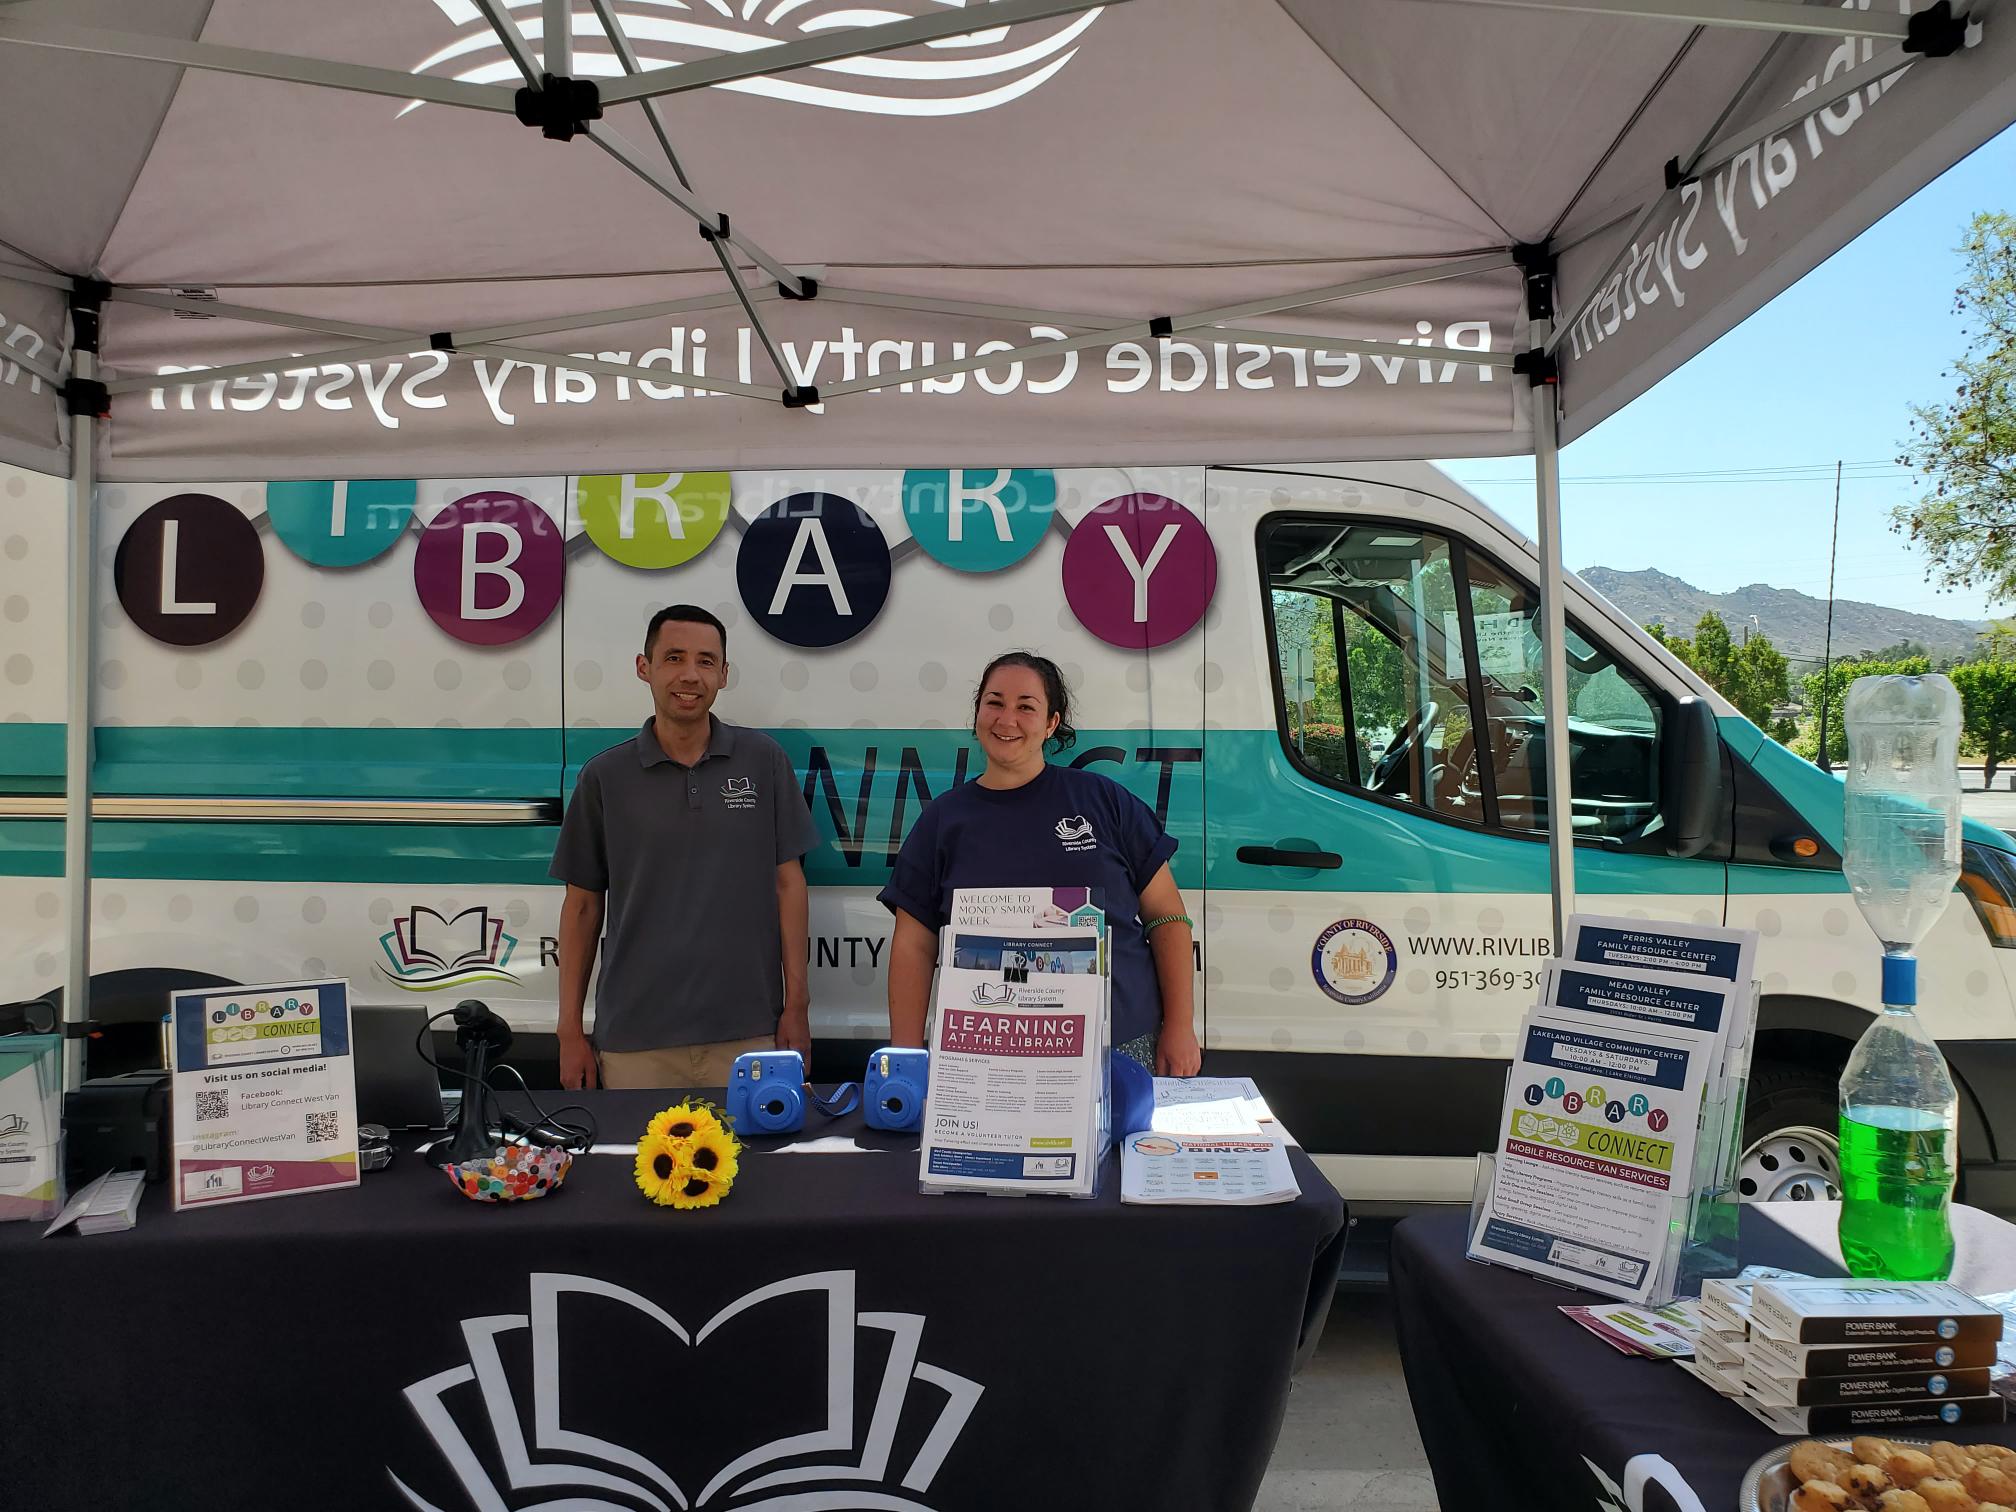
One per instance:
(1017, 1048)
(1597, 1140)
(265, 1094)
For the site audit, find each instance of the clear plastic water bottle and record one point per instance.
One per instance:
(1899, 1112)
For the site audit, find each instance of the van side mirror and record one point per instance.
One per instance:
(1693, 787)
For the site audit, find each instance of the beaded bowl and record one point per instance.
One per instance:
(511, 1173)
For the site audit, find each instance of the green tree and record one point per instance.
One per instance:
(1753, 676)
(1714, 652)
(1966, 448)
(1760, 682)
(1996, 643)
(1837, 680)
(1988, 711)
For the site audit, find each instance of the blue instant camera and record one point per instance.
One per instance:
(766, 1092)
(893, 1087)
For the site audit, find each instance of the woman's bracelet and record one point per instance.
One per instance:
(1149, 926)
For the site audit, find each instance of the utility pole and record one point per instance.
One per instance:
(1827, 650)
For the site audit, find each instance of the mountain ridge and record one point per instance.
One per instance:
(1795, 622)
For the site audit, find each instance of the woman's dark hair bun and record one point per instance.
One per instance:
(1055, 693)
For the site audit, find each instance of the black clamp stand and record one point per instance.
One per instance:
(559, 106)
(1936, 32)
(1536, 261)
(86, 396)
(479, 1035)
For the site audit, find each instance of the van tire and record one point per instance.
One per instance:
(1791, 1143)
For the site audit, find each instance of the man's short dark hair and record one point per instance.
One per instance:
(683, 614)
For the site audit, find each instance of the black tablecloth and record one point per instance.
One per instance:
(1519, 1407)
(326, 1350)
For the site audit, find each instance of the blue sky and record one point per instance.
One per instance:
(1826, 371)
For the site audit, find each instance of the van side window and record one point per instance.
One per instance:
(1395, 646)
(1368, 657)
(1613, 720)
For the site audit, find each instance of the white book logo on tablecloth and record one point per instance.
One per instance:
(476, 1412)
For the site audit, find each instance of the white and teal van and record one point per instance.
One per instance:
(336, 724)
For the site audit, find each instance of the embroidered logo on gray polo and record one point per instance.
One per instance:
(739, 793)
(478, 1411)
(1076, 833)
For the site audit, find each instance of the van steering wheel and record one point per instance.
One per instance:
(1414, 731)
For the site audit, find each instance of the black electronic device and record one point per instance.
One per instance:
(481, 1123)
(481, 1036)
(394, 1086)
(117, 1123)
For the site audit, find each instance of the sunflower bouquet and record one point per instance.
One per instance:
(688, 1156)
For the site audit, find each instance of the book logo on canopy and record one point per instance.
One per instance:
(950, 76)
(851, 1415)
(426, 951)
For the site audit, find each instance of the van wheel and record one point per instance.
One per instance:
(1791, 1147)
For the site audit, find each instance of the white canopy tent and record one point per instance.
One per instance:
(278, 238)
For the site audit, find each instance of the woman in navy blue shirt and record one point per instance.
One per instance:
(1026, 823)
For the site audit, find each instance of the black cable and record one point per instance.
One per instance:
(552, 1124)
(556, 1131)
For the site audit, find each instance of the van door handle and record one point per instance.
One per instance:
(1270, 855)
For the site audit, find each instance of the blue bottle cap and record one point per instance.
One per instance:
(1900, 980)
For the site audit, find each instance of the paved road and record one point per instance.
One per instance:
(1349, 1439)
(1997, 808)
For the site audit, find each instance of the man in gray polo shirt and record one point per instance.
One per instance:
(680, 851)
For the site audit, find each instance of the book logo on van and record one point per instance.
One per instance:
(426, 951)
(1354, 961)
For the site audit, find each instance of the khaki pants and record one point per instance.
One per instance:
(704, 1067)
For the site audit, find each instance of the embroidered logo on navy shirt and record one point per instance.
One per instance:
(739, 793)
(1075, 833)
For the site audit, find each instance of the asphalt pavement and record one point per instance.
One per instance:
(1349, 1439)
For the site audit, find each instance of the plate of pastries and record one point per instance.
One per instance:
(1883, 1475)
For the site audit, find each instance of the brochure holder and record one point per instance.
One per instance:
(1710, 1248)
(1622, 1117)
(1020, 1036)
(31, 1123)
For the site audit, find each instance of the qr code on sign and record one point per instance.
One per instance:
(215, 1104)
(321, 1127)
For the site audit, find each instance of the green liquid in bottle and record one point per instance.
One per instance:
(1896, 1186)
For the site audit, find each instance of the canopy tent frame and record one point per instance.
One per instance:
(563, 106)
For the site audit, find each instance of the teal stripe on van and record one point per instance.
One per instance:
(866, 787)
(378, 762)
(31, 758)
(462, 854)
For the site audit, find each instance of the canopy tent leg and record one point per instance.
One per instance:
(1541, 372)
(85, 402)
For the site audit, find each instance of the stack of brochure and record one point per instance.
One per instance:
(1810, 1355)
(1200, 1170)
(109, 1205)
(31, 1126)
(1020, 1086)
(1212, 1141)
(1619, 1132)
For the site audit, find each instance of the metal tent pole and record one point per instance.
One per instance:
(1541, 371)
(85, 399)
